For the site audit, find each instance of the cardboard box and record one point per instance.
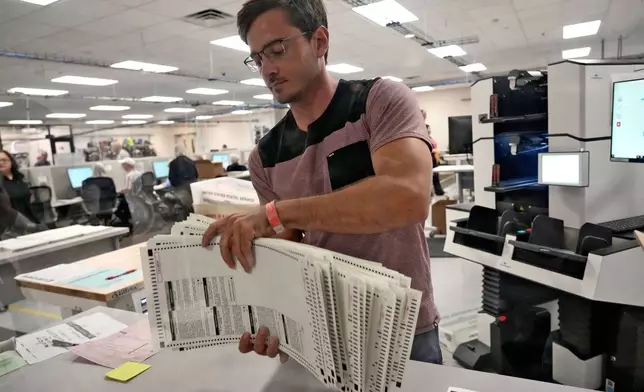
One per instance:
(439, 220)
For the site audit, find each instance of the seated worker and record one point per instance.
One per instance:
(183, 170)
(99, 170)
(131, 174)
(10, 219)
(42, 159)
(16, 186)
(235, 166)
(436, 180)
(117, 152)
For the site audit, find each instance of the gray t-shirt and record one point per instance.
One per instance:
(130, 177)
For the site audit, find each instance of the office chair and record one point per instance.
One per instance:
(145, 187)
(41, 206)
(99, 198)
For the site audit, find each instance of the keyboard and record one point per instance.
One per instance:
(625, 225)
(48, 237)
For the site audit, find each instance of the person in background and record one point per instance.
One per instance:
(42, 159)
(16, 186)
(224, 147)
(117, 152)
(182, 170)
(436, 179)
(131, 174)
(236, 166)
(99, 170)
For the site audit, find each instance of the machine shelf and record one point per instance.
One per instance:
(484, 119)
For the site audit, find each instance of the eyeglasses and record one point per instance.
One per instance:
(272, 51)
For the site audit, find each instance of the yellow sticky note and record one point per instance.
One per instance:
(127, 371)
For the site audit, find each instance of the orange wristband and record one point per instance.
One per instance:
(273, 218)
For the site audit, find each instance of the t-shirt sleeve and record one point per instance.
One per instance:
(393, 113)
(260, 180)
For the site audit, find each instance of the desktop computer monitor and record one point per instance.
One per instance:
(77, 175)
(564, 168)
(161, 169)
(223, 158)
(627, 133)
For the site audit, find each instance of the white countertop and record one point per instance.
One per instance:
(454, 169)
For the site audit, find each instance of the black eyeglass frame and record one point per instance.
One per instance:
(252, 64)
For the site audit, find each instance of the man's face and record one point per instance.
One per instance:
(288, 74)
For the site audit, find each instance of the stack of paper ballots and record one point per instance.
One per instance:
(350, 322)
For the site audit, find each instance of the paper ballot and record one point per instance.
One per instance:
(350, 322)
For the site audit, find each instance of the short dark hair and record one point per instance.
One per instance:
(306, 15)
(15, 172)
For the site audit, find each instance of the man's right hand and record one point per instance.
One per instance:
(248, 343)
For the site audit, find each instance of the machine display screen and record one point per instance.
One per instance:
(77, 175)
(564, 168)
(627, 141)
(223, 158)
(161, 169)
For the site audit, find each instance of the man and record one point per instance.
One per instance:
(235, 166)
(131, 174)
(349, 165)
(42, 159)
(117, 152)
(436, 180)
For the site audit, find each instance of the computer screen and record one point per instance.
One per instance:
(223, 158)
(77, 175)
(627, 137)
(161, 168)
(564, 168)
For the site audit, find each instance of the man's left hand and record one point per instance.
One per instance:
(237, 234)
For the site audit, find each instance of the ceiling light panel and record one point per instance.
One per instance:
(99, 122)
(203, 117)
(5, 104)
(422, 89)
(581, 29)
(134, 122)
(447, 51)
(575, 53)
(344, 68)
(228, 103)
(37, 91)
(179, 110)
(476, 67)
(166, 122)
(207, 91)
(39, 2)
(241, 111)
(84, 81)
(110, 108)
(393, 78)
(385, 12)
(234, 42)
(146, 67)
(160, 98)
(66, 115)
(254, 82)
(268, 97)
(25, 122)
(137, 116)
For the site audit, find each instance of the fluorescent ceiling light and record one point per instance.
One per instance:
(37, 91)
(179, 110)
(160, 98)
(133, 122)
(228, 103)
(5, 104)
(66, 115)
(343, 68)
(203, 117)
(410, 36)
(84, 81)
(146, 67)
(447, 51)
(39, 2)
(581, 29)
(385, 12)
(575, 53)
(166, 122)
(395, 79)
(207, 91)
(25, 122)
(99, 122)
(137, 116)
(254, 82)
(234, 42)
(422, 89)
(268, 97)
(110, 108)
(241, 111)
(476, 67)
(536, 74)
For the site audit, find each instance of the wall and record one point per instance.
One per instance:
(441, 104)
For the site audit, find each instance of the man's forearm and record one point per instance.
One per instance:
(375, 205)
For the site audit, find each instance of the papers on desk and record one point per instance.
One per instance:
(10, 361)
(38, 346)
(350, 322)
(80, 275)
(132, 344)
(57, 273)
(48, 237)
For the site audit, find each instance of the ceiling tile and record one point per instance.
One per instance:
(17, 32)
(14, 9)
(172, 8)
(71, 13)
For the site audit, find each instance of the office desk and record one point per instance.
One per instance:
(460, 171)
(62, 252)
(224, 369)
(124, 294)
(66, 202)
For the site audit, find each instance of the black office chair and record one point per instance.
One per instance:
(179, 202)
(99, 198)
(41, 206)
(145, 185)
